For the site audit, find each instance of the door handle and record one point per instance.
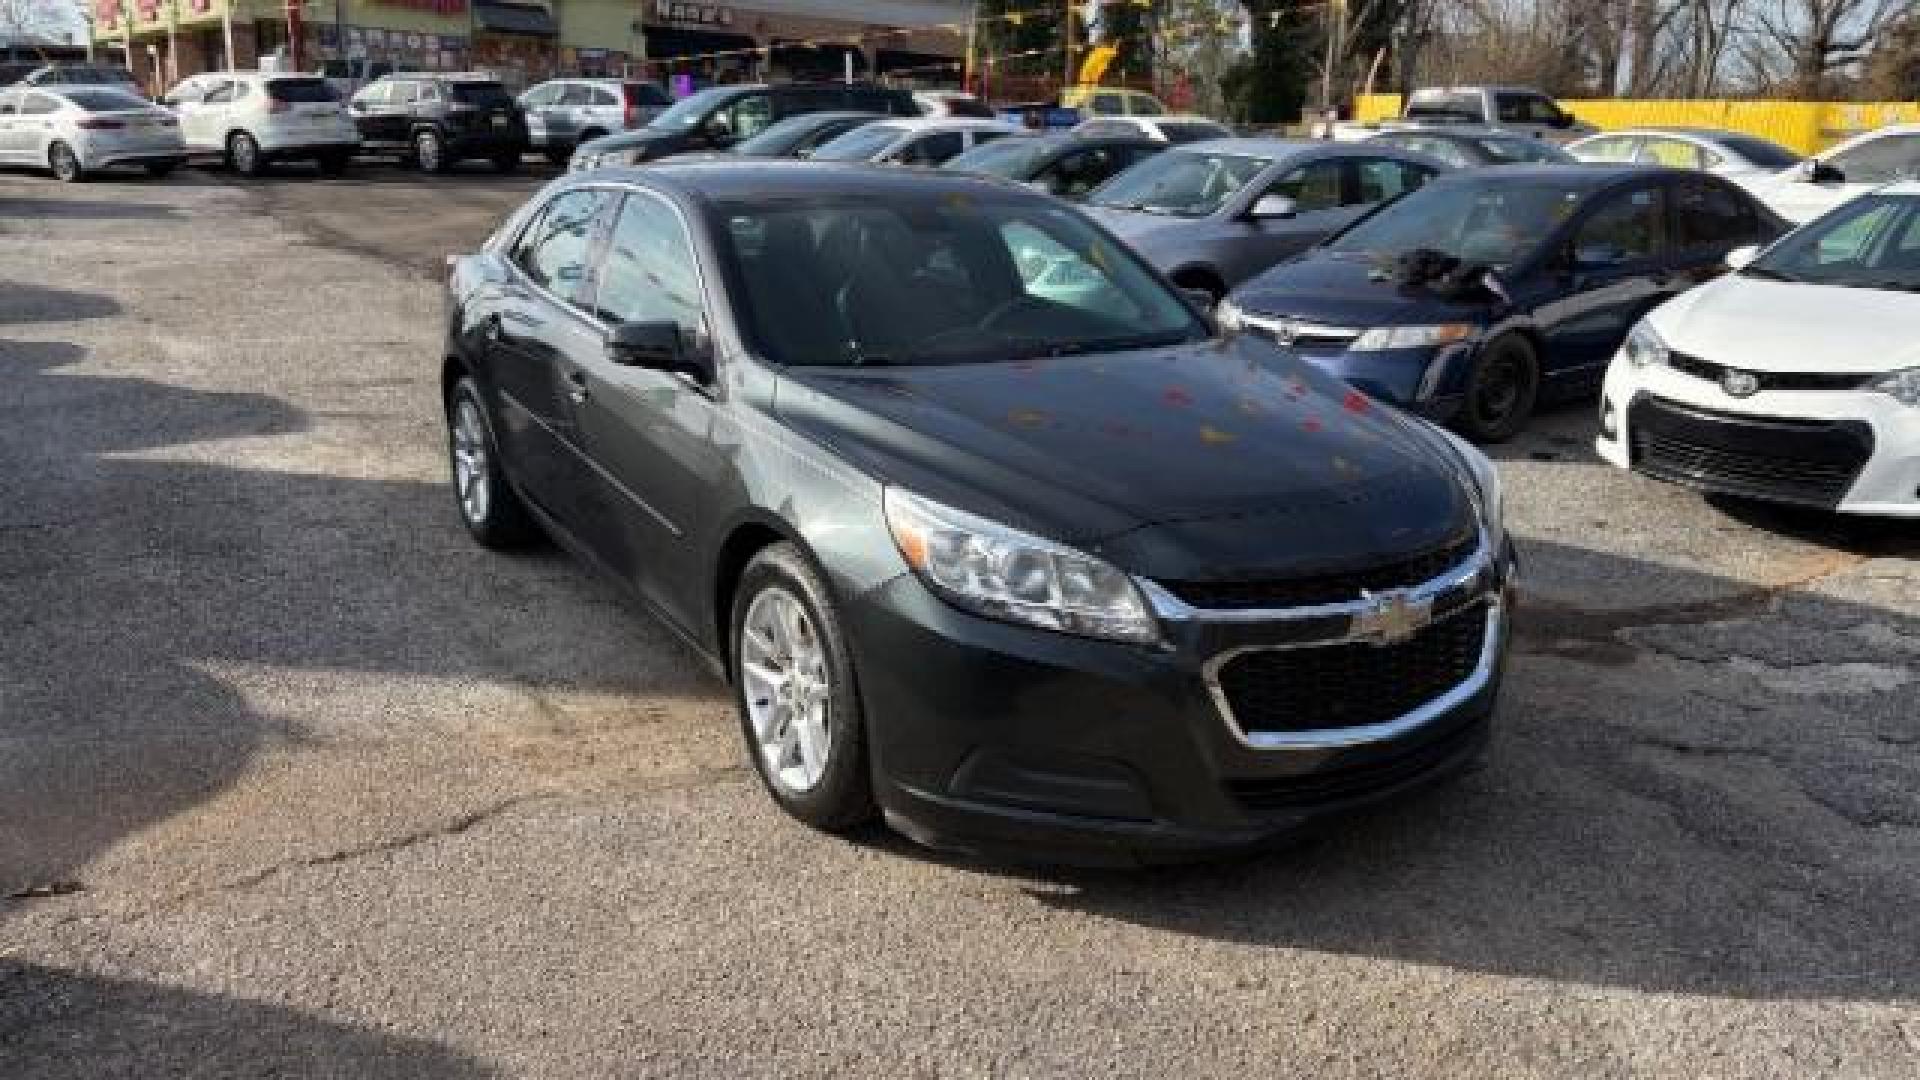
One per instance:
(577, 386)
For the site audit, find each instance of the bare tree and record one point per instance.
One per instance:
(1801, 47)
(27, 23)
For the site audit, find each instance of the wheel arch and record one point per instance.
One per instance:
(1200, 276)
(746, 538)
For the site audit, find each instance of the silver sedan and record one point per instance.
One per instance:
(1733, 154)
(1210, 215)
(75, 131)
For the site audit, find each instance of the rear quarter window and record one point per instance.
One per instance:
(480, 93)
(301, 90)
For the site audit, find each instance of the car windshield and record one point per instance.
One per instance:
(1763, 154)
(80, 76)
(689, 112)
(779, 139)
(1515, 150)
(860, 144)
(1497, 224)
(1872, 242)
(1185, 183)
(1012, 158)
(484, 94)
(105, 100)
(935, 277)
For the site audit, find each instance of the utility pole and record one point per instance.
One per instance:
(226, 31)
(1337, 22)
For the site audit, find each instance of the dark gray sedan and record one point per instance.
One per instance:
(1211, 215)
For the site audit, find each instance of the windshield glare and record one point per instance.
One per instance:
(1871, 243)
(1181, 183)
(689, 111)
(942, 278)
(1491, 224)
(860, 144)
(1010, 158)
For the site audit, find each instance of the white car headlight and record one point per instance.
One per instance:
(1903, 385)
(1381, 338)
(1002, 573)
(1643, 347)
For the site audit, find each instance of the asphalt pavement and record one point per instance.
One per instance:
(296, 781)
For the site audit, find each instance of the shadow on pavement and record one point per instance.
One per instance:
(21, 303)
(90, 209)
(63, 1025)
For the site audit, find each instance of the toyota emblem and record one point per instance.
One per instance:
(1740, 383)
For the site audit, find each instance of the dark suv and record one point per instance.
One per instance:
(716, 118)
(436, 120)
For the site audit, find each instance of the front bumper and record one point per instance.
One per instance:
(297, 144)
(1852, 451)
(990, 736)
(100, 154)
(1428, 381)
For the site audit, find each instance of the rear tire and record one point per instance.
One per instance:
(799, 707)
(244, 155)
(1502, 388)
(490, 508)
(65, 164)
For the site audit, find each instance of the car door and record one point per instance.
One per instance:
(532, 326)
(371, 109)
(567, 116)
(535, 103)
(1860, 167)
(605, 111)
(12, 134)
(1253, 241)
(651, 433)
(34, 127)
(1612, 269)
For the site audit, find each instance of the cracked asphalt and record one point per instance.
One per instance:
(297, 782)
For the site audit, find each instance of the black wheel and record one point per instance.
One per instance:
(244, 155)
(794, 686)
(65, 164)
(334, 164)
(491, 509)
(1501, 390)
(429, 153)
(160, 170)
(507, 162)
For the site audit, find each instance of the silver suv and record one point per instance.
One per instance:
(563, 113)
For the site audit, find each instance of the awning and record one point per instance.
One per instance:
(667, 42)
(827, 59)
(514, 19)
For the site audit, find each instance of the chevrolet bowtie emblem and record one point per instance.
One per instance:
(1391, 618)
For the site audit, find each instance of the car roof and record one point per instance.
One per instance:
(1456, 132)
(774, 179)
(1581, 174)
(946, 123)
(443, 76)
(1280, 148)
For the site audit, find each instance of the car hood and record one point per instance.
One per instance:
(1766, 325)
(643, 144)
(1349, 290)
(1220, 458)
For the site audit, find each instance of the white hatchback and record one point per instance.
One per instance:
(1795, 379)
(75, 131)
(1847, 171)
(254, 118)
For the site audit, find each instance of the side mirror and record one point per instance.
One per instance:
(1815, 171)
(657, 345)
(1739, 258)
(1201, 298)
(1272, 206)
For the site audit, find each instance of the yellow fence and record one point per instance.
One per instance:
(1805, 126)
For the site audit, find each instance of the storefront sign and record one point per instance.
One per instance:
(438, 7)
(677, 11)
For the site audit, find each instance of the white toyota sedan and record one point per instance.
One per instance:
(1795, 379)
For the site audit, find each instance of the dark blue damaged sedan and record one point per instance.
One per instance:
(990, 531)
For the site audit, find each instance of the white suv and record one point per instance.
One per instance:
(253, 118)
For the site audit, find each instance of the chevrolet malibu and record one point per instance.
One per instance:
(1009, 564)
(1795, 379)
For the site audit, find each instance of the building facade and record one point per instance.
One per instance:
(675, 42)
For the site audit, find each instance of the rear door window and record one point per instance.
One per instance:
(1313, 186)
(301, 90)
(1609, 148)
(1673, 153)
(39, 105)
(1109, 104)
(932, 149)
(1710, 216)
(485, 95)
(1379, 179)
(575, 96)
(604, 98)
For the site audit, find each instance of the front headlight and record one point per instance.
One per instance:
(1381, 338)
(1644, 347)
(1002, 573)
(1903, 385)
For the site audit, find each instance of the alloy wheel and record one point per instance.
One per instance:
(66, 167)
(470, 464)
(788, 689)
(426, 151)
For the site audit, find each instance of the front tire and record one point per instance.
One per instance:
(794, 687)
(490, 508)
(243, 153)
(1502, 389)
(429, 153)
(65, 164)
